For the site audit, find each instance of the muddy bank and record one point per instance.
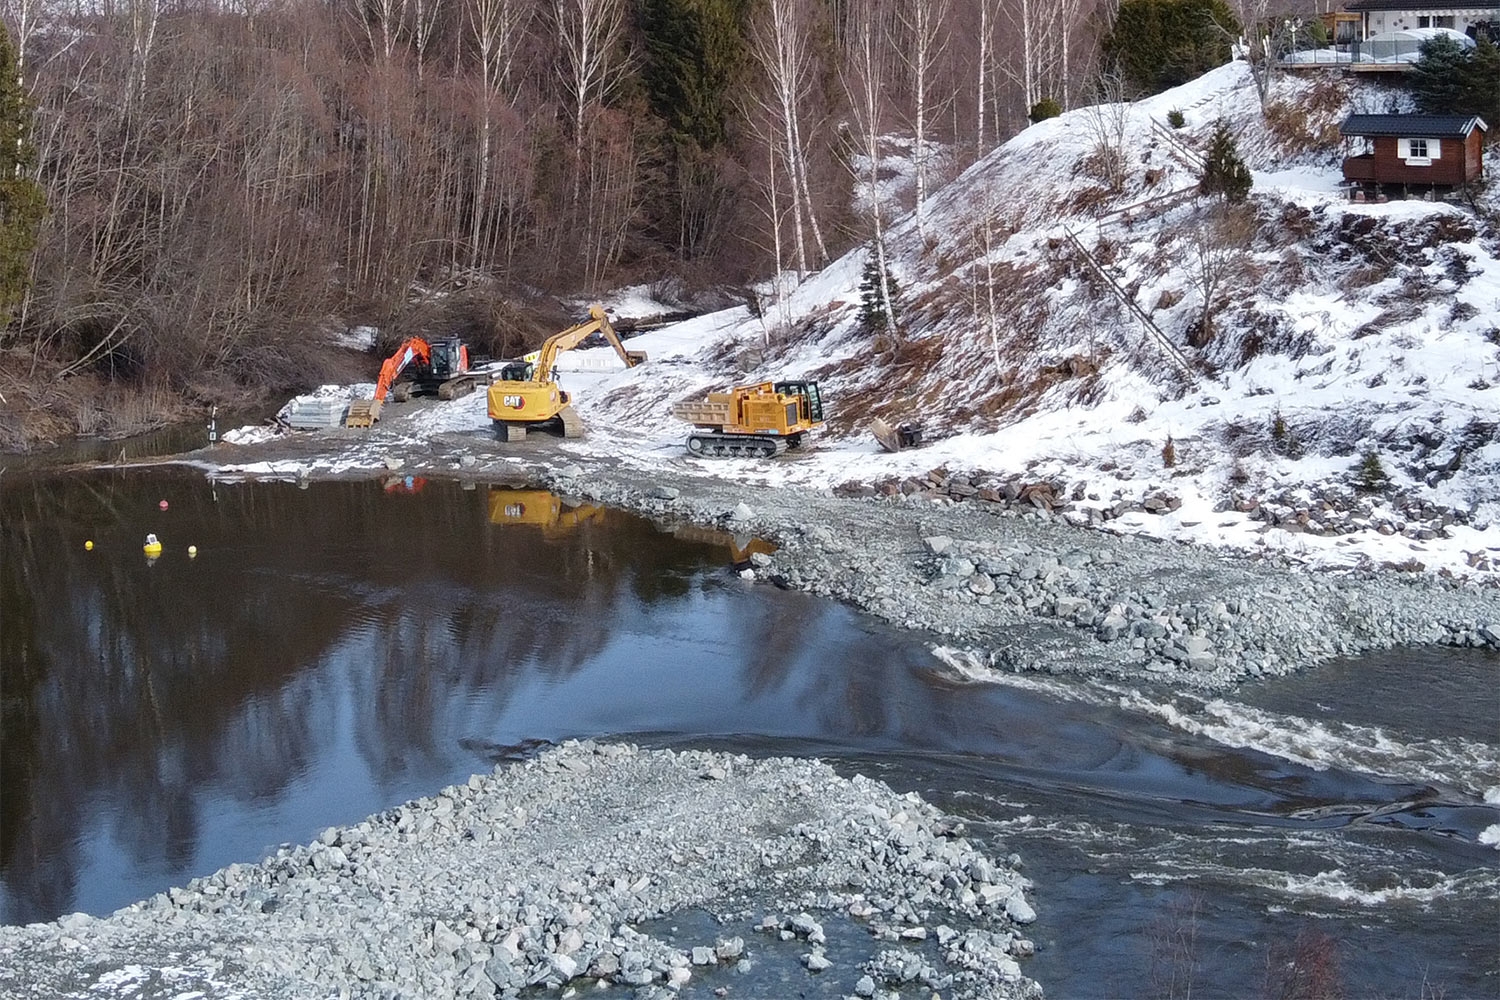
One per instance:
(559, 871)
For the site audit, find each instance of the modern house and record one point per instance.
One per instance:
(1414, 153)
(1465, 16)
(1386, 36)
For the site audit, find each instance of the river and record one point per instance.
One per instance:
(335, 648)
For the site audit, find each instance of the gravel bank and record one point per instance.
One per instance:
(1016, 589)
(556, 872)
(1005, 586)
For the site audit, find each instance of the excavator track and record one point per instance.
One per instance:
(572, 423)
(455, 388)
(710, 445)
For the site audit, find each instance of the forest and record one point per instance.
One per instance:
(199, 192)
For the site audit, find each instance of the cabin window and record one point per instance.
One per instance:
(1435, 21)
(1418, 152)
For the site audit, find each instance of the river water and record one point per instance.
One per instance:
(337, 648)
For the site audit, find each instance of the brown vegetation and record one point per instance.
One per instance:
(221, 181)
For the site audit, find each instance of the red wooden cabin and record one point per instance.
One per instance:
(1422, 152)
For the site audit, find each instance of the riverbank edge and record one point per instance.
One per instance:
(995, 587)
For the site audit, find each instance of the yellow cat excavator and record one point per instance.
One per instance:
(526, 394)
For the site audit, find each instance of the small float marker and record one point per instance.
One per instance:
(88, 546)
(192, 551)
(162, 505)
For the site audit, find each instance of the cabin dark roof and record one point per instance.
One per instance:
(1405, 126)
(1417, 5)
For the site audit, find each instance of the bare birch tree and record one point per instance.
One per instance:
(988, 11)
(926, 30)
(589, 70)
(781, 44)
(864, 74)
(145, 18)
(497, 27)
(381, 22)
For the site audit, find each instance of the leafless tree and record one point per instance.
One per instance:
(864, 73)
(497, 27)
(382, 22)
(145, 19)
(988, 12)
(588, 34)
(1261, 51)
(1215, 250)
(1106, 121)
(985, 305)
(925, 22)
(781, 45)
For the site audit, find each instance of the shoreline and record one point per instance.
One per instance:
(1001, 585)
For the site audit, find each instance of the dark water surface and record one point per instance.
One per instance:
(340, 648)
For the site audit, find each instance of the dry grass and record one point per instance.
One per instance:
(39, 409)
(1310, 123)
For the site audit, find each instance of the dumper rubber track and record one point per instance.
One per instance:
(710, 445)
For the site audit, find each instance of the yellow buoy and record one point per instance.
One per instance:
(152, 546)
(88, 546)
(192, 551)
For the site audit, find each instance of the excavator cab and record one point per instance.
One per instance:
(515, 371)
(449, 358)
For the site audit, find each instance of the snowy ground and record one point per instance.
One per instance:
(1348, 359)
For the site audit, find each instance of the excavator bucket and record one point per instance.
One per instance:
(362, 413)
(572, 423)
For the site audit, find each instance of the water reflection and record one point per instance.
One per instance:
(333, 641)
(340, 648)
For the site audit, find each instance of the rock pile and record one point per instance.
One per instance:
(547, 874)
(1022, 589)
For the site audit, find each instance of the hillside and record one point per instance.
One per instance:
(1345, 390)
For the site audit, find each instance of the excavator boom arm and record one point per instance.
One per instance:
(410, 350)
(575, 335)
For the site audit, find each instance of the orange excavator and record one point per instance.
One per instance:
(438, 366)
(526, 393)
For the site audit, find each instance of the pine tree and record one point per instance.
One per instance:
(872, 311)
(695, 53)
(22, 203)
(1436, 78)
(1224, 172)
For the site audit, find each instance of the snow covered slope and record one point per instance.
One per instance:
(1341, 388)
(1347, 384)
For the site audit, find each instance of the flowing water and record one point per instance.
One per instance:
(337, 648)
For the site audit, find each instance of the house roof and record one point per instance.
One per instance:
(1424, 126)
(1422, 5)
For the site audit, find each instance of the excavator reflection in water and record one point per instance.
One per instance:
(741, 547)
(541, 508)
(558, 519)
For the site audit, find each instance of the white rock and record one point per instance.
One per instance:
(1019, 910)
